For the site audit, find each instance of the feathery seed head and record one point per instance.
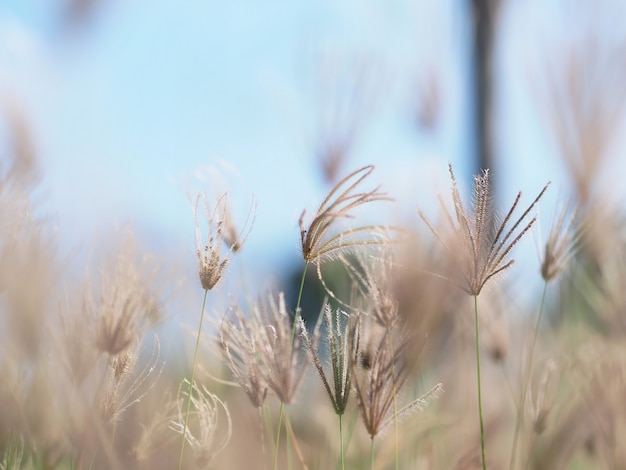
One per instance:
(345, 96)
(206, 408)
(155, 433)
(375, 277)
(239, 346)
(261, 353)
(542, 401)
(343, 336)
(127, 304)
(317, 244)
(221, 232)
(484, 244)
(561, 245)
(377, 384)
(126, 387)
(604, 291)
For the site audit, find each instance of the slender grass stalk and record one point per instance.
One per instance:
(293, 337)
(395, 402)
(288, 432)
(100, 387)
(267, 418)
(277, 441)
(372, 453)
(355, 417)
(296, 447)
(480, 401)
(395, 421)
(342, 456)
(520, 410)
(297, 313)
(193, 376)
(262, 431)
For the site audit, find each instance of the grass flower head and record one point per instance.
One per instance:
(379, 374)
(206, 442)
(484, 243)
(221, 232)
(343, 335)
(317, 243)
(262, 352)
(561, 245)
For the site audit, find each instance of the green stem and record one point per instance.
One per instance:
(293, 339)
(262, 431)
(280, 422)
(288, 431)
(395, 401)
(520, 411)
(480, 400)
(101, 387)
(343, 464)
(297, 312)
(372, 454)
(193, 378)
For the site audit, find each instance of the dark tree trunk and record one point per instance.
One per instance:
(484, 14)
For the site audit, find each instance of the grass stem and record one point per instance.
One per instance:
(280, 423)
(193, 378)
(480, 401)
(262, 432)
(520, 410)
(342, 457)
(293, 338)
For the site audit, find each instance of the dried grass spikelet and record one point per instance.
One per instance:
(428, 105)
(155, 431)
(12, 385)
(426, 303)
(599, 379)
(317, 243)
(212, 259)
(378, 375)
(346, 91)
(239, 345)
(128, 303)
(604, 290)
(542, 397)
(28, 279)
(126, 387)
(479, 242)
(22, 171)
(343, 336)
(208, 440)
(13, 456)
(75, 349)
(562, 244)
(374, 276)
(260, 350)
(579, 88)
(28, 247)
(494, 321)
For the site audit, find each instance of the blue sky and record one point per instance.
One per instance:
(146, 102)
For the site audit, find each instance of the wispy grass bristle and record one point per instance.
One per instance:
(480, 243)
(209, 438)
(342, 342)
(317, 242)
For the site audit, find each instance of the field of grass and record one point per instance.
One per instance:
(415, 356)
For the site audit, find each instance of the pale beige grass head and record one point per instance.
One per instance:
(222, 239)
(318, 241)
(262, 351)
(480, 243)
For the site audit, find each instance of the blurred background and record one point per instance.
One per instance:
(130, 108)
(114, 115)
